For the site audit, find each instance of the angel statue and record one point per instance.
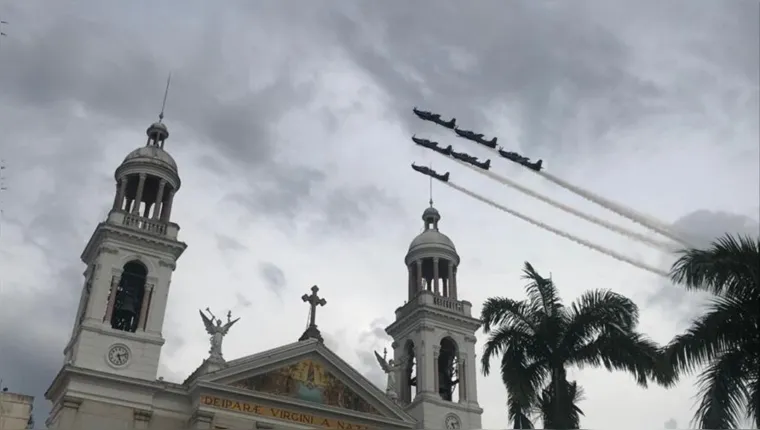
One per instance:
(389, 367)
(217, 331)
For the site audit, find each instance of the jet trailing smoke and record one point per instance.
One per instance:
(483, 167)
(647, 221)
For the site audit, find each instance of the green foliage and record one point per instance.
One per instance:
(724, 342)
(538, 338)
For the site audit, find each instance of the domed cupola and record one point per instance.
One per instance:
(432, 259)
(146, 182)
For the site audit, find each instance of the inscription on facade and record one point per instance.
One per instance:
(280, 413)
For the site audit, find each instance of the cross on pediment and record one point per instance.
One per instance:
(312, 332)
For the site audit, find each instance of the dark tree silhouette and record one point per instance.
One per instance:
(725, 341)
(539, 338)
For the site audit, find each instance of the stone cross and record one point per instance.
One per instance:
(313, 300)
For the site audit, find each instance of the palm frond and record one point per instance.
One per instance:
(721, 329)
(730, 266)
(630, 352)
(507, 339)
(542, 293)
(596, 311)
(753, 408)
(523, 381)
(503, 311)
(723, 392)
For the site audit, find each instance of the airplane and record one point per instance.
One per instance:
(485, 165)
(467, 134)
(513, 156)
(533, 166)
(461, 156)
(476, 137)
(489, 143)
(426, 115)
(434, 117)
(445, 151)
(425, 142)
(450, 124)
(432, 173)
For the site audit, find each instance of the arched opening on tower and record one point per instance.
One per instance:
(151, 200)
(129, 297)
(448, 372)
(437, 276)
(409, 374)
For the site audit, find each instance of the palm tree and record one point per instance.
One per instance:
(725, 341)
(539, 338)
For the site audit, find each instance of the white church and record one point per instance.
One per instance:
(108, 379)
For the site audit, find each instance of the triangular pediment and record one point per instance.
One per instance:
(308, 372)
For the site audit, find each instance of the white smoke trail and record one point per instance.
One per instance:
(637, 217)
(590, 218)
(628, 213)
(560, 233)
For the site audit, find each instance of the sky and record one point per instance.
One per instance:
(290, 123)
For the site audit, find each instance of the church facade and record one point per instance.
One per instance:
(108, 375)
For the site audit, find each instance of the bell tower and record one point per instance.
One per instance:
(434, 335)
(130, 258)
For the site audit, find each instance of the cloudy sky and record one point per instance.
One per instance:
(291, 121)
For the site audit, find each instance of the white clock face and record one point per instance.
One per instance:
(118, 355)
(452, 422)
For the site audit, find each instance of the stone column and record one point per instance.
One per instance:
(159, 198)
(450, 282)
(147, 295)
(454, 283)
(111, 298)
(116, 199)
(410, 283)
(436, 276)
(138, 196)
(166, 209)
(436, 373)
(123, 190)
(462, 379)
(420, 287)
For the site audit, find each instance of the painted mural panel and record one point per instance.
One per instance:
(308, 380)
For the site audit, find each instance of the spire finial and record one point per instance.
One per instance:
(430, 177)
(166, 94)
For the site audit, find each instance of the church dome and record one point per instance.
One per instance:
(431, 242)
(432, 239)
(151, 154)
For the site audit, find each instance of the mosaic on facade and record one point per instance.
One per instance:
(308, 380)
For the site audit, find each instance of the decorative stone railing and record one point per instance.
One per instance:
(426, 298)
(147, 225)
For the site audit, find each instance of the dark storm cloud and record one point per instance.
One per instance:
(273, 277)
(101, 67)
(702, 228)
(227, 243)
(541, 59)
(545, 61)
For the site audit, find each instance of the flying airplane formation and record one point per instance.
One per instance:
(435, 118)
(477, 138)
(654, 225)
(449, 152)
(432, 173)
